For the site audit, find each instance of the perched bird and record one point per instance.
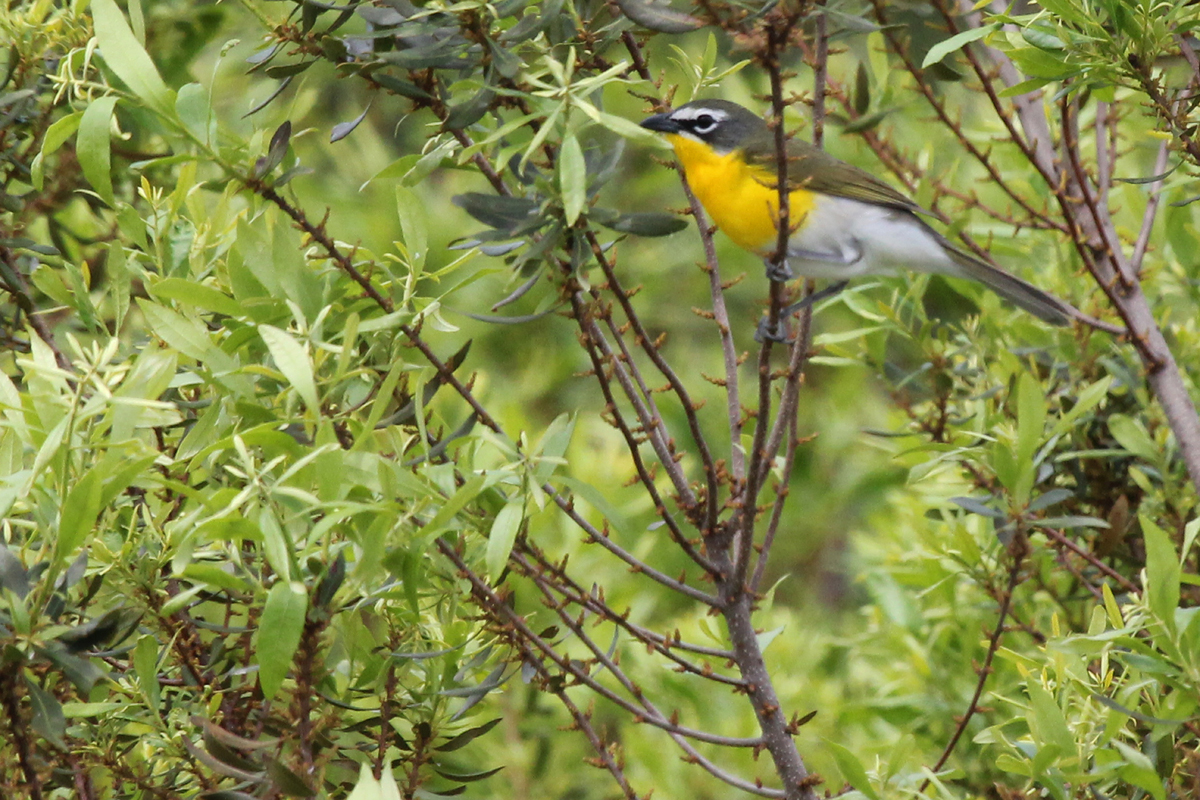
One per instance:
(844, 221)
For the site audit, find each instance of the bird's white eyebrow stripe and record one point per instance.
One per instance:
(688, 114)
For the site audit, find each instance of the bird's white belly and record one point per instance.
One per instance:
(873, 239)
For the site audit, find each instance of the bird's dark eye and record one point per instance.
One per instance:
(704, 123)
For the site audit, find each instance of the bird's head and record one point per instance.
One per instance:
(720, 124)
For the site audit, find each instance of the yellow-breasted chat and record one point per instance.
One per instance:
(844, 221)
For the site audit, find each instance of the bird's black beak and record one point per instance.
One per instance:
(661, 123)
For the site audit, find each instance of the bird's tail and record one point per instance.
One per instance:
(1024, 295)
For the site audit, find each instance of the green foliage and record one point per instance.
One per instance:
(265, 534)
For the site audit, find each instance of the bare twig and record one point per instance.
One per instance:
(1057, 536)
(785, 423)
(1018, 553)
(14, 283)
(10, 705)
(733, 403)
(642, 710)
(602, 357)
(563, 586)
(1153, 200)
(650, 347)
(820, 76)
(635, 564)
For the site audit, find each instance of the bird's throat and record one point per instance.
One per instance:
(741, 198)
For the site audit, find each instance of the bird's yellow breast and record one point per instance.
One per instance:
(739, 196)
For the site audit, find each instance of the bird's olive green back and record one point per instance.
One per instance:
(815, 170)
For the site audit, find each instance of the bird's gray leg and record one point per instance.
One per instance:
(850, 253)
(780, 273)
(778, 333)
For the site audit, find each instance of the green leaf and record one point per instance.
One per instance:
(277, 545)
(624, 127)
(193, 110)
(469, 491)
(1162, 572)
(852, 769)
(553, 446)
(645, 223)
(279, 631)
(280, 141)
(13, 576)
(868, 122)
(344, 129)
(572, 178)
(1072, 521)
(657, 17)
(1004, 464)
(1139, 771)
(1042, 36)
(48, 719)
(286, 781)
(466, 737)
(1038, 63)
(126, 57)
(1132, 435)
(1047, 723)
(185, 335)
(468, 777)
(1088, 399)
(198, 295)
(78, 670)
(1024, 87)
(92, 146)
(414, 225)
(1031, 419)
(470, 111)
(956, 42)
(292, 360)
(1016, 766)
(504, 213)
(79, 512)
(145, 664)
(504, 532)
(1190, 532)
(58, 133)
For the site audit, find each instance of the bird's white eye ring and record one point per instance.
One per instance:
(704, 123)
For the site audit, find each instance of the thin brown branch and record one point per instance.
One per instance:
(1059, 538)
(785, 424)
(547, 652)
(14, 283)
(599, 656)
(733, 403)
(650, 348)
(1018, 551)
(603, 360)
(10, 704)
(584, 723)
(935, 102)
(820, 76)
(635, 564)
(1150, 213)
(570, 591)
(778, 33)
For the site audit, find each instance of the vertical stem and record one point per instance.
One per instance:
(10, 702)
(777, 734)
(820, 75)
(1018, 551)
